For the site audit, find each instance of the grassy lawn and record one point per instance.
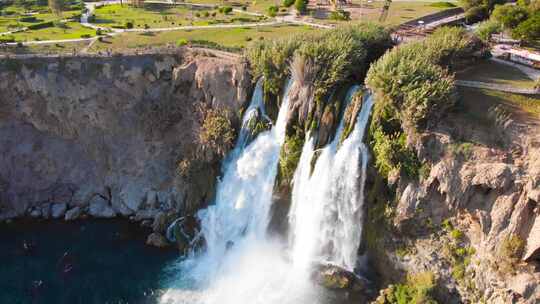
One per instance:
(493, 72)
(477, 103)
(398, 13)
(161, 16)
(257, 6)
(11, 14)
(72, 30)
(64, 48)
(236, 37)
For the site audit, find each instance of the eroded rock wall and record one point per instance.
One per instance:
(104, 135)
(473, 219)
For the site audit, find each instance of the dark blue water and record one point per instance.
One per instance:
(107, 263)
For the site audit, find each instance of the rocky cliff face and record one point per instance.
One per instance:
(473, 219)
(104, 136)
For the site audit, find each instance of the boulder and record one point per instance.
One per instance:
(46, 211)
(146, 214)
(58, 210)
(157, 240)
(35, 213)
(99, 207)
(335, 277)
(160, 222)
(119, 206)
(526, 285)
(532, 250)
(73, 214)
(493, 175)
(132, 196)
(152, 200)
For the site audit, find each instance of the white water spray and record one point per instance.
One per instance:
(327, 205)
(242, 264)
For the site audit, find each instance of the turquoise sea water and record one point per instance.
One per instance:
(107, 262)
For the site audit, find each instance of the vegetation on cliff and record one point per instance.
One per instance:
(324, 63)
(336, 56)
(413, 86)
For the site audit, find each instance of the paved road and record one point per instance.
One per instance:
(533, 74)
(496, 87)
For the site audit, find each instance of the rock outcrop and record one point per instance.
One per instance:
(473, 220)
(104, 136)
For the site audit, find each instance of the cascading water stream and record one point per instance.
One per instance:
(326, 207)
(242, 264)
(235, 226)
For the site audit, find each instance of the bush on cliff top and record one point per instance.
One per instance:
(340, 53)
(413, 87)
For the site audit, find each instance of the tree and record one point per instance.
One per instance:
(475, 14)
(56, 6)
(272, 10)
(528, 30)
(301, 6)
(509, 16)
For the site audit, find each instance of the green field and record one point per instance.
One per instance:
(398, 13)
(10, 16)
(231, 38)
(478, 101)
(162, 16)
(69, 30)
(257, 6)
(497, 73)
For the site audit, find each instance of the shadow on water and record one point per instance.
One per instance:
(101, 262)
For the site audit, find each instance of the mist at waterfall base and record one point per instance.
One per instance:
(242, 263)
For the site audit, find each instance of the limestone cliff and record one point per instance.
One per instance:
(104, 135)
(473, 218)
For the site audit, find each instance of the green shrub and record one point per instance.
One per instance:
(512, 248)
(340, 15)
(509, 16)
(301, 6)
(476, 14)
(529, 30)
(443, 4)
(456, 234)
(417, 290)
(458, 272)
(486, 28)
(28, 19)
(464, 150)
(413, 88)
(288, 3)
(289, 158)
(181, 42)
(128, 24)
(7, 39)
(217, 134)
(41, 25)
(272, 11)
(225, 10)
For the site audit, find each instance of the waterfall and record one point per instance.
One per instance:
(327, 204)
(234, 227)
(242, 263)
